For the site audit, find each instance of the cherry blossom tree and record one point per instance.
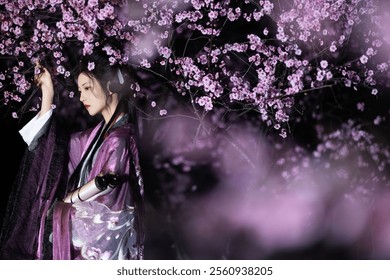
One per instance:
(241, 102)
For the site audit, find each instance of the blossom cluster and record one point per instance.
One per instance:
(288, 49)
(249, 71)
(342, 152)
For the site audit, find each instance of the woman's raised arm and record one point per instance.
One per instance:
(45, 82)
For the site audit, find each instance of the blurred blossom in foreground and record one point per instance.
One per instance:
(255, 212)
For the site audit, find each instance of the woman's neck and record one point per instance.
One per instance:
(108, 112)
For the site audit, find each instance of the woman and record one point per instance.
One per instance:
(97, 213)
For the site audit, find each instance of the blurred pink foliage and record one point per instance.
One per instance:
(270, 108)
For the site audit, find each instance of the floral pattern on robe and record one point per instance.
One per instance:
(105, 227)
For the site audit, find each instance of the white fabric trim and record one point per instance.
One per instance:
(30, 130)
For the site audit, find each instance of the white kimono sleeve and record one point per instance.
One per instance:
(31, 129)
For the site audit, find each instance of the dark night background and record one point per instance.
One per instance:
(165, 236)
(163, 239)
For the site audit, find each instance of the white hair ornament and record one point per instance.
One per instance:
(120, 77)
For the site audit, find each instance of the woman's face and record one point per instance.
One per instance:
(91, 94)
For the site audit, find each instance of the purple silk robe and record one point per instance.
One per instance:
(41, 179)
(109, 218)
(110, 227)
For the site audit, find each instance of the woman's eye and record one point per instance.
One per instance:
(87, 88)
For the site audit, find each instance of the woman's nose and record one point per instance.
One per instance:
(82, 99)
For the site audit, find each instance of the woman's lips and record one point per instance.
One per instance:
(86, 106)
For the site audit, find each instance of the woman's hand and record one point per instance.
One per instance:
(44, 81)
(68, 197)
(100, 185)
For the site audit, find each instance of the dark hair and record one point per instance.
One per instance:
(114, 78)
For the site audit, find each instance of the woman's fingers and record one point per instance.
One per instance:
(41, 76)
(38, 72)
